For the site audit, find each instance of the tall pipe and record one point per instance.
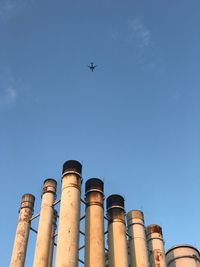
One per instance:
(117, 243)
(94, 223)
(45, 224)
(137, 239)
(156, 246)
(69, 218)
(53, 230)
(22, 232)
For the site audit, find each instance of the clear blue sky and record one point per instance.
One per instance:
(134, 121)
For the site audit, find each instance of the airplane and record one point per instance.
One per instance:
(92, 66)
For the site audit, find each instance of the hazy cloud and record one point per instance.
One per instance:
(139, 33)
(11, 8)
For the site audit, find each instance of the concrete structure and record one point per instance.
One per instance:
(156, 246)
(137, 239)
(183, 256)
(117, 243)
(45, 224)
(22, 232)
(69, 218)
(94, 224)
(51, 247)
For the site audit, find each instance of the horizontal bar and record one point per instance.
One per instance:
(81, 247)
(34, 217)
(32, 229)
(82, 233)
(56, 202)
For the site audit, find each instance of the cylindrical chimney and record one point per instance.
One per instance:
(53, 230)
(94, 224)
(117, 243)
(156, 246)
(69, 218)
(45, 224)
(183, 256)
(137, 239)
(22, 232)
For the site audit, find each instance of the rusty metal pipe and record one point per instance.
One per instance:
(137, 239)
(156, 246)
(69, 218)
(94, 224)
(117, 243)
(45, 224)
(22, 232)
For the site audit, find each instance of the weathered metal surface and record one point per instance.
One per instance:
(183, 256)
(156, 246)
(51, 247)
(117, 243)
(22, 232)
(45, 224)
(69, 217)
(137, 239)
(94, 224)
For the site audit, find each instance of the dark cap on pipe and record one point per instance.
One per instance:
(27, 201)
(72, 165)
(94, 184)
(49, 186)
(154, 228)
(115, 200)
(50, 182)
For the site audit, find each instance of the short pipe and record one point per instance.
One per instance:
(22, 232)
(183, 255)
(117, 243)
(69, 217)
(155, 244)
(45, 224)
(94, 223)
(137, 239)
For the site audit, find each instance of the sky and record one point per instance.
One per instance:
(134, 122)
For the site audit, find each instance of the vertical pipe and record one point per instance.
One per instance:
(117, 243)
(137, 239)
(156, 246)
(69, 218)
(45, 224)
(53, 230)
(94, 224)
(22, 232)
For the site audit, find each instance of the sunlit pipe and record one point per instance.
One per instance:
(137, 239)
(156, 246)
(45, 224)
(51, 247)
(117, 243)
(22, 232)
(69, 217)
(183, 256)
(94, 224)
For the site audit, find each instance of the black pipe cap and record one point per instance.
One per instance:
(72, 165)
(114, 200)
(94, 183)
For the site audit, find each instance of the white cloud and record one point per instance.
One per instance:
(139, 33)
(9, 88)
(11, 8)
